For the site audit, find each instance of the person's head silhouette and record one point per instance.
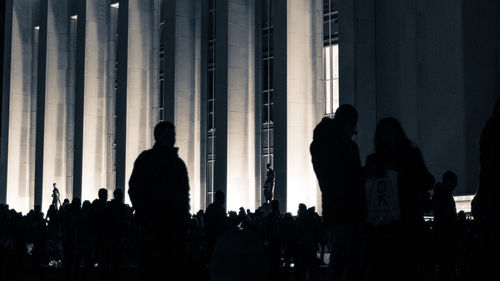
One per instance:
(219, 197)
(103, 194)
(390, 136)
(76, 202)
(450, 180)
(302, 209)
(346, 117)
(118, 194)
(164, 134)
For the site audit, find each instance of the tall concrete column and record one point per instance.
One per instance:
(241, 105)
(186, 91)
(19, 98)
(56, 160)
(141, 90)
(98, 97)
(404, 59)
(303, 111)
(357, 79)
(235, 102)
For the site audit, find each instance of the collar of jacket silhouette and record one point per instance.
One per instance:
(162, 148)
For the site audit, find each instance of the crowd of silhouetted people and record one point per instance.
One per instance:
(373, 224)
(103, 236)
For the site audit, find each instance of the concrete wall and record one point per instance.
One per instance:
(187, 94)
(98, 97)
(431, 65)
(303, 112)
(59, 103)
(22, 109)
(142, 80)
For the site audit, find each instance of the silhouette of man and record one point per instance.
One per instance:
(99, 221)
(487, 208)
(335, 159)
(159, 192)
(269, 184)
(216, 221)
(116, 229)
(55, 196)
(445, 218)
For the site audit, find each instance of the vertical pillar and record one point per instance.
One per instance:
(186, 76)
(57, 94)
(22, 90)
(169, 63)
(40, 103)
(97, 97)
(240, 104)
(235, 103)
(301, 101)
(79, 98)
(121, 96)
(280, 73)
(221, 76)
(7, 9)
(141, 83)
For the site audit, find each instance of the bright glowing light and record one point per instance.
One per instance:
(115, 5)
(74, 17)
(463, 202)
(37, 27)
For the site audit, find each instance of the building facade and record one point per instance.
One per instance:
(245, 81)
(85, 82)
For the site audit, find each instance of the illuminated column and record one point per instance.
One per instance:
(298, 100)
(56, 96)
(97, 97)
(186, 90)
(241, 105)
(19, 97)
(235, 103)
(138, 68)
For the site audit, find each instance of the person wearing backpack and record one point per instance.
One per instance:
(394, 242)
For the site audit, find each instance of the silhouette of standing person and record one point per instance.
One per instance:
(216, 221)
(56, 201)
(159, 192)
(487, 209)
(400, 249)
(445, 220)
(269, 184)
(335, 159)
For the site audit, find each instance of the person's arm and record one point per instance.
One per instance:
(184, 183)
(136, 182)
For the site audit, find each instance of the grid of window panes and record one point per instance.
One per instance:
(211, 102)
(267, 86)
(331, 55)
(161, 74)
(113, 46)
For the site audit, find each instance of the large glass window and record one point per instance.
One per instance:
(331, 55)
(267, 88)
(161, 74)
(211, 102)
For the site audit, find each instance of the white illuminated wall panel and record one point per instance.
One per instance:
(142, 81)
(22, 114)
(98, 99)
(187, 92)
(241, 106)
(59, 104)
(302, 111)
